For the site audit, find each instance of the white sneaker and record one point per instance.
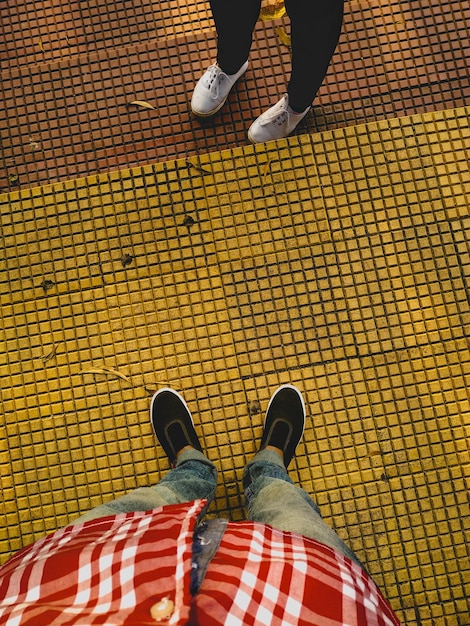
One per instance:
(277, 122)
(212, 90)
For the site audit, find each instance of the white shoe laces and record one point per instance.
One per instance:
(214, 78)
(279, 116)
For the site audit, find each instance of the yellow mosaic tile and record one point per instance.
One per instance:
(339, 262)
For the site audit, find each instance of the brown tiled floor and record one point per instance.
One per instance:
(34, 33)
(69, 74)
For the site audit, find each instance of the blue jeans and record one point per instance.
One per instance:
(194, 477)
(271, 496)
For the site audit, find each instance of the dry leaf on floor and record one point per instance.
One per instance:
(41, 47)
(284, 37)
(143, 104)
(107, 371)
(52, 353)
(266, 171)
(373, 453)
(197, 167)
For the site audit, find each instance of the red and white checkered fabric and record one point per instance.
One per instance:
(113, 570)
(262, 576)
(106, 571)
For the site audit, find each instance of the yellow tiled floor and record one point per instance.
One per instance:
(339, 262)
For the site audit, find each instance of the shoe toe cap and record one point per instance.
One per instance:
(257, 133)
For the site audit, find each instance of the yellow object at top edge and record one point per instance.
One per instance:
(272, 10)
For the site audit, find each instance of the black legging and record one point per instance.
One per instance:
(315, 30)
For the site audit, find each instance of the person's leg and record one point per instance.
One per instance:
(272, 498)
(193, 478)
(234, 23)
(315, 30)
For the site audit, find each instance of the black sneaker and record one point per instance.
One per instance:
(172, 423)
(285, 421)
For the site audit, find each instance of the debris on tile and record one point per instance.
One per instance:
(127, 259)
(374, 453)
(283, 37)
(143, 104)
(197, 167)
(266, 170)
(34, 145)
(188, 221)
(52, 353)
(47, 284)
(254, 407)
(107, 371)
